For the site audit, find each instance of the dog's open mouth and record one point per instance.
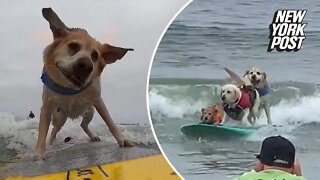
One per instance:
(74, 79)
(255, 81)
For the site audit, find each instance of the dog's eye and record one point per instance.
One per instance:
(258, 73)
(74, 48)
(223, 91)
(209, 114)
(228, 92)
(251, 72)
(94, 56)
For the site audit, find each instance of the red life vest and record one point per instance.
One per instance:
(243, 103)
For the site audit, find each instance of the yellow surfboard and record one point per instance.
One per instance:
(150, 168)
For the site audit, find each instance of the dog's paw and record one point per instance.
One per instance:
(95, 138)
(38, 157)
(38, 153)
(128, 143)
(125, 143)
(51, 140)
(120, 142)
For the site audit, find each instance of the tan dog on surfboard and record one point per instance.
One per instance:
(262, 87)
(73, 64)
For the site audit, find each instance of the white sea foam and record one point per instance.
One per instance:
(22, 133)
(161, 105)
(293, 111)
(305, 110)
(173, 102)
(287, 115)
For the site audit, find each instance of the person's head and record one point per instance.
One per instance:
(276, 153)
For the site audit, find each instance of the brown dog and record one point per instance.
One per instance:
(73, 63)
(212, 114)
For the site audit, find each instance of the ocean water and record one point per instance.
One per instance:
(187, 74)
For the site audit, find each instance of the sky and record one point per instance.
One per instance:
(137, 24)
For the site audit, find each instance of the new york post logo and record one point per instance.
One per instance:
(287, 30)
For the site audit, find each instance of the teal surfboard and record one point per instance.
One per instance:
(215, 131)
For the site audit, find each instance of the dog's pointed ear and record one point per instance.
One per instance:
(246, 73)
(264, 75)
(111, 54)
(218, 105)
(214, 107)
(58, 28)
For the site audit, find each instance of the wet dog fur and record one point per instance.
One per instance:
(74, 60)
(212, 114)
(229, 95)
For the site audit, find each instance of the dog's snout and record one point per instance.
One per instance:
(254, 77)
(83, 67)
(223, 98)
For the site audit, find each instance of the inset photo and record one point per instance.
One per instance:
(73, 80)
(234, 90)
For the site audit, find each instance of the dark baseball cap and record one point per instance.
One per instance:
(277, 151)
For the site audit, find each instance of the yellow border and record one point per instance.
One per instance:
(150, 167)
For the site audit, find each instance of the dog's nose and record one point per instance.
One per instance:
(83, 67)
(205, 118)
(223, 98)
(253, 77)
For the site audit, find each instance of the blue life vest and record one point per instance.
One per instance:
(263, 91)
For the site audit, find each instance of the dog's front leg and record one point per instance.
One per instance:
(251, 118)
(256, 105)
(244, 119)
(45, 119)
(102, 110)
(267, 111)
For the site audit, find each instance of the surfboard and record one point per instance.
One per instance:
(150, 167)
(237, 80)
(97, 160)
(215, 131)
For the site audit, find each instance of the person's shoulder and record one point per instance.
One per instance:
(286, 175)
(293, 177)
(300, 178)
(263, 175)
(246, 175)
